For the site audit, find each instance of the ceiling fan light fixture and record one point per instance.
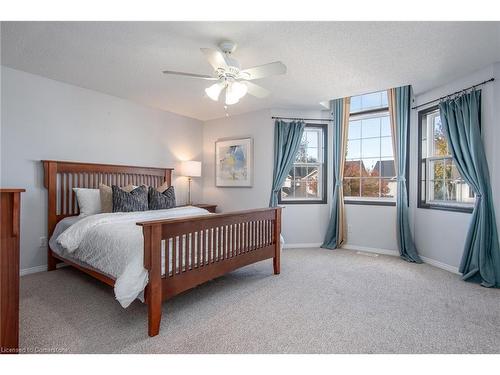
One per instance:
(214, 91)
(234, 92)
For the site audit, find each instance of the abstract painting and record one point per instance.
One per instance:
(233, 162)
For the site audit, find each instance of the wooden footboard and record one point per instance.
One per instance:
(180, 254)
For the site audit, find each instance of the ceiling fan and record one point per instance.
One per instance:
(230, 76)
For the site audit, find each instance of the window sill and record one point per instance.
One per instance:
(370, 203)
(439, 207)
(286, 203)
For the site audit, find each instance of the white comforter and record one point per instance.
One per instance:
(112, 243)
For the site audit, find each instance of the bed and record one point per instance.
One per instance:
(182, 247)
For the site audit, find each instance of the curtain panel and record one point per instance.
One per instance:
(287, 137)
(336, 231)
(399, 109)
(461, 120)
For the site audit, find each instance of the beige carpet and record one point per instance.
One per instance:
(323, 302)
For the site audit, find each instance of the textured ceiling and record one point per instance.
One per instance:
(324, 59)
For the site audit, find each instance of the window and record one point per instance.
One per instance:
(440, 184)
(369, 173)
(306, 181)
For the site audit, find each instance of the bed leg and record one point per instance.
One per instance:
(152, 258)
(51, 261)
(276, 265)
(277, 242)
(154, 313)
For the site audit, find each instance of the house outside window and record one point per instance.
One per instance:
(440, 183)
(369, 171)
(307, 179)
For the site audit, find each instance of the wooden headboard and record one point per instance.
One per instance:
(60, 177)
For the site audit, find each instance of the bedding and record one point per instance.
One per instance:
(106, 194)
(89, 201)
(161, 200)
(113, 244)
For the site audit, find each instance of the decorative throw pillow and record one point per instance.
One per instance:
(163, 187)
(106, 193)
(136, 200)
(163, 200)
(89, 201)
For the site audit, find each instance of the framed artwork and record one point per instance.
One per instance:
(234, 162)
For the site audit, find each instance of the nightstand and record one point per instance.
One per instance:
(208, 207)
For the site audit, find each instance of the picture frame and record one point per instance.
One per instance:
(234, 162)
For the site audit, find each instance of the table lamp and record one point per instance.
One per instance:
(190, 169)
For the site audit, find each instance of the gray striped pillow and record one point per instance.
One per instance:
(160, 201)
(136, 200)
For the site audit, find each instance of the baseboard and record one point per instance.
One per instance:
(300, 245)
(371, 250)
(430, 261)
(441, 265)
(27, 271)
(42, 268)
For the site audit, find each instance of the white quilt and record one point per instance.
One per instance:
(113, 244)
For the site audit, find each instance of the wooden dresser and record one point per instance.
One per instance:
(9, 269)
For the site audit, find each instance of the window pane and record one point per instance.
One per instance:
(437, 190)
(385, 128)
(313, 138)
(388, 188)
(312, 155)
(370, 167)
(387, 168)
(436, 169)
(300, 172)
(454, 171)
(386, 149)
(354, 131)
(370, 127)
(352, 168)
(439, 139)
(313, 188)
(450, 192)
(369, 101)
(385, 99)
(299, 189)
(354, 149)
(373, 100)
(351, 187)
(355, 104)
(370, 187)
(304, 181)
(370, 147)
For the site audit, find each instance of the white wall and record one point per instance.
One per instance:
(46, 119)
(440, 235)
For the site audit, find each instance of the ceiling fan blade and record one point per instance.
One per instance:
(262, 71)
(214, 57)
(191, 75)
(256, 90)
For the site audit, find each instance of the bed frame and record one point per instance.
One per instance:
(197, 249)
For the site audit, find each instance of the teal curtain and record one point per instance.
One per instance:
(287, 137)
(334, 233)
(400, 102)
(461, 120)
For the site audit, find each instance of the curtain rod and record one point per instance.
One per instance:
(456, 92)
(300, 119)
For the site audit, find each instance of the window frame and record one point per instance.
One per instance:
(324, 199)
(423, 203)
(371, 201)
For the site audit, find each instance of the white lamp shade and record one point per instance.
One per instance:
(191, 168)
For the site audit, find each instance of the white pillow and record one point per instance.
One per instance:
(89, 201)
